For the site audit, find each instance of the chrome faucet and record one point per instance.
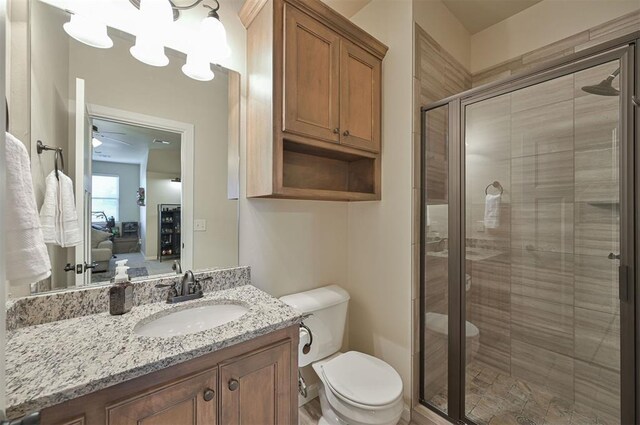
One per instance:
(190, 289)
(177, 267)
(187, 283)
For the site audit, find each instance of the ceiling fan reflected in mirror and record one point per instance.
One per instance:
(98, 137)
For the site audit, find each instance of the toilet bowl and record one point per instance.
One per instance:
(355, 388)
(437, 328)
(358, 389)
(437, 350)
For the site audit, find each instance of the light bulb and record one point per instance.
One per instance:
(214, 37)
(198, 66)
(155, 18)
(88, 31)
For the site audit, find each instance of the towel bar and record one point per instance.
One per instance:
(41, 147)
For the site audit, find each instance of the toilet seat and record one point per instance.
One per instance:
(362, 380)
(439, 323)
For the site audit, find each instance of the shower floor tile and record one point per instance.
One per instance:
(494, 398)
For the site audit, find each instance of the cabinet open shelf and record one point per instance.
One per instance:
(319, 173)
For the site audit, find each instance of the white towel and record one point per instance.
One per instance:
(492, 211)
(58, 213)
(27, 259)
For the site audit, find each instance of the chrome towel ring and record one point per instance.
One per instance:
(495, 184)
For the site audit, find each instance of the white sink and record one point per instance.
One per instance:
(191, 320)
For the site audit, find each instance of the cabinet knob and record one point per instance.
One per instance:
(346, 133)
(208, 394)
(233, 385)
(336, 130)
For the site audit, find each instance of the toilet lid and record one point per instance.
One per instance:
(362, 379)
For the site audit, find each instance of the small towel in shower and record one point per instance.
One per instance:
(492, 211)
(27, 260)
(58, 213)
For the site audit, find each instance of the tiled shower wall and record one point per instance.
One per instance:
(561, 297)
(546, 305)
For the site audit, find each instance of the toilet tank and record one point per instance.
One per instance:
(327, 307)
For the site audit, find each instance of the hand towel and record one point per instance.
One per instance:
(492, 211)
(58, 213)
(27, 260)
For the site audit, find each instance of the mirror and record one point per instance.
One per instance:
(151, 154)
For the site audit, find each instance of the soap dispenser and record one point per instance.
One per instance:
(121, 293)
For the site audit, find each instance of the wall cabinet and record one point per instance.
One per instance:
(314, 103)
(251, 383)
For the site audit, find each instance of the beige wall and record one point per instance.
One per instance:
(18, 61)
(434, 17)
(539, 25)
(380, 232)
(49, 115)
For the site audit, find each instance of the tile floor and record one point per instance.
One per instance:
(494, 398)
(310, 413)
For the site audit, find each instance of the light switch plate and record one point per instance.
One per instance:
(200, 225)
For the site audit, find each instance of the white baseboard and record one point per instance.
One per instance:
(406, 413)
(312, 392)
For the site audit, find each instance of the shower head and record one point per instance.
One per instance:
(604, 88)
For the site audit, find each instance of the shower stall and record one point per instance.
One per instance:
(528, 235)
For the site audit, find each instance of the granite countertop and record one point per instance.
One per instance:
(54, 362)
(471, 254)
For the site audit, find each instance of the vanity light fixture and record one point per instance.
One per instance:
(88, 31)
(155, 17)
(209, 46)
(198, 66)
(213, 35)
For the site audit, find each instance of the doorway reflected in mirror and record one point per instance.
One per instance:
(126, 158)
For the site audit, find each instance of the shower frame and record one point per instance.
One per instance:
(623, 49)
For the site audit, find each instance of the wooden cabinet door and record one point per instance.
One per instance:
(256, 389)
(190, 401)
(360, 98)
(311, 77)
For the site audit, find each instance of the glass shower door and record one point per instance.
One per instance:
(542, 251)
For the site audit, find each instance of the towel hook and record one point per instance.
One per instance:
(495, 184)
(41, 147)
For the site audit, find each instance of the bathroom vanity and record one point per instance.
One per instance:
(101, 369)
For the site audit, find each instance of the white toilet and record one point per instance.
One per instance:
(355, 388)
